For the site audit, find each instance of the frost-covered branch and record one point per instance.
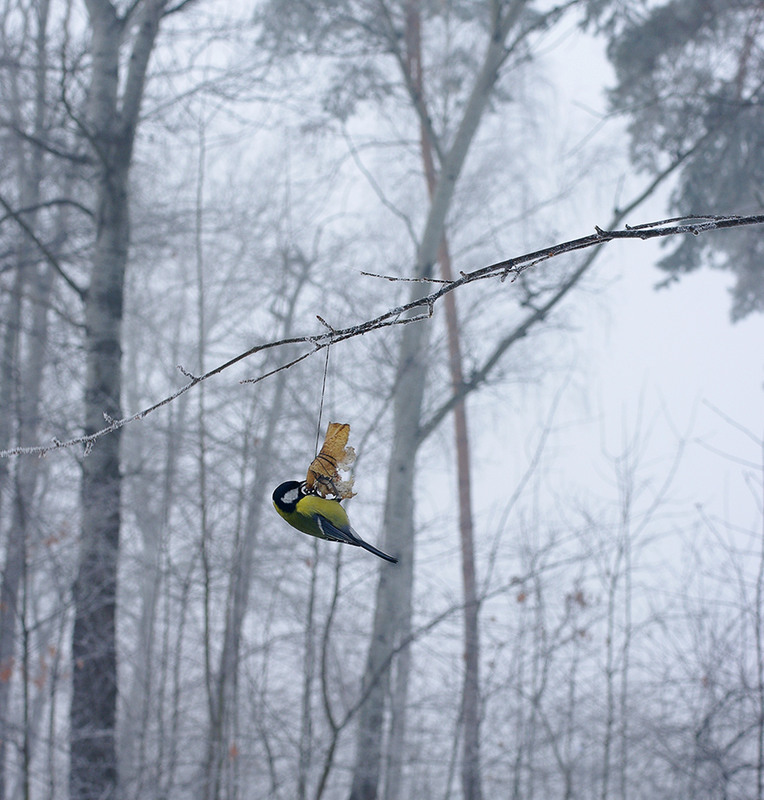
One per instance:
(415, 311)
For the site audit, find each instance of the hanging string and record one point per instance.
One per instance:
(321, 404)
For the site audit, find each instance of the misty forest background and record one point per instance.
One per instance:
(183, 180)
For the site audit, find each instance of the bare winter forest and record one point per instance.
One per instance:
(275, 213)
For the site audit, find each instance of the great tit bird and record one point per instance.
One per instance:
(318, 516)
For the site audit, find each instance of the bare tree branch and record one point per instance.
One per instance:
(48, 147)
(513, 267)
(60, 201)
(49, 256)
(179, 6)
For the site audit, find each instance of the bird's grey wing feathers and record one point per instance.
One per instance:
(333, 533)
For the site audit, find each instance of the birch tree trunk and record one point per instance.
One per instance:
(394, 590)
(112, 123)
(471, 781)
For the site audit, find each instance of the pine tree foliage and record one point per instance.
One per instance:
(689, 79)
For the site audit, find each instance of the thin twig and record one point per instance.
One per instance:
(49, 256)
(694, 225)
(394, 278)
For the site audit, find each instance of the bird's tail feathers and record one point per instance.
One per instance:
(366, 546)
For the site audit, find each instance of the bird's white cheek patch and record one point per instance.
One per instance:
(291, 496)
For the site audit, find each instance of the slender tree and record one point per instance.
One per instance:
(22, 360)
(470, 712)
(394, 591)
(121, 47)
(224, 681)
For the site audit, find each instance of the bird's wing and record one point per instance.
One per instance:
(333, 533)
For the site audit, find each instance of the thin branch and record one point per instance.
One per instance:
(49, 257)
(411, 82)
(376, 188)
(694, 225)
(735, 424)
(396, 278)
(179, 6)
(538, 314)
(60, 201)
(48, 147)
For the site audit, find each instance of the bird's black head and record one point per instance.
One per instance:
(287, 494)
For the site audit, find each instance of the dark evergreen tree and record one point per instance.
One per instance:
(690, 77)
